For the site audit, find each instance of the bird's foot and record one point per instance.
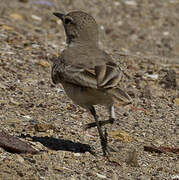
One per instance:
(101, 123)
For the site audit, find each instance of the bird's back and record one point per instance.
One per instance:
(85, 56)
(91, 69)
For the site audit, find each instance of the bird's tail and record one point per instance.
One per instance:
(120, 96)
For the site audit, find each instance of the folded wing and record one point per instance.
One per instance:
(72, 74)
(104, 76)
(107, 75)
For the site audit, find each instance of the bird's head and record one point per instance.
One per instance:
(80, 27)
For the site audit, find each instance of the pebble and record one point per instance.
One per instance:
(36, 17)
(19, 158)
(77, 154)
(176, 101)
(151, 76)
(101, 176)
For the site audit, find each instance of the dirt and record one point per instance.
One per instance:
(143, 38)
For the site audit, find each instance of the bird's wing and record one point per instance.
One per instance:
(104, 76)
(107, 75)
(72, 74)
(80, 76)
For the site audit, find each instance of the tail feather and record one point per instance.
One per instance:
(121, 96)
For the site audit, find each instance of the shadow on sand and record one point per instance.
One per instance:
(60, 144)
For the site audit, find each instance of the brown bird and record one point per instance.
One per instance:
(88, 74)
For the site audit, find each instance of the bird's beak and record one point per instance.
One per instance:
(59, 15)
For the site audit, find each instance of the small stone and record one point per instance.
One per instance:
(27, 116)
(101, 175)
(14, 144)
(151, 76)
(166, 33)
(43, 63)
(20, 158)
(77, 154)
(36, 17)
(121, 135)
(176, 101)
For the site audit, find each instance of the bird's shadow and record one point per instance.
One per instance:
(61, 144)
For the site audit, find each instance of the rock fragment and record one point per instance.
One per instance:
(14, 144)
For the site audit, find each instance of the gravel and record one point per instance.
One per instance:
(142, 36)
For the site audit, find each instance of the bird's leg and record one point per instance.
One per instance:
(103, 137)
(111, 120)
(102, 123)
(111, 113)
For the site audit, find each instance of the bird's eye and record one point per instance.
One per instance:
(68, 20)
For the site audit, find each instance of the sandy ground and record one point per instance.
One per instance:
(143, 37)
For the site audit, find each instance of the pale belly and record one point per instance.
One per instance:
(86, 97)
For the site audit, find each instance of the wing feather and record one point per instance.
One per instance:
(104, 76)
(107, 75)
(73, 74)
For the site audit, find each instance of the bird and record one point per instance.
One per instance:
(87, 73)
